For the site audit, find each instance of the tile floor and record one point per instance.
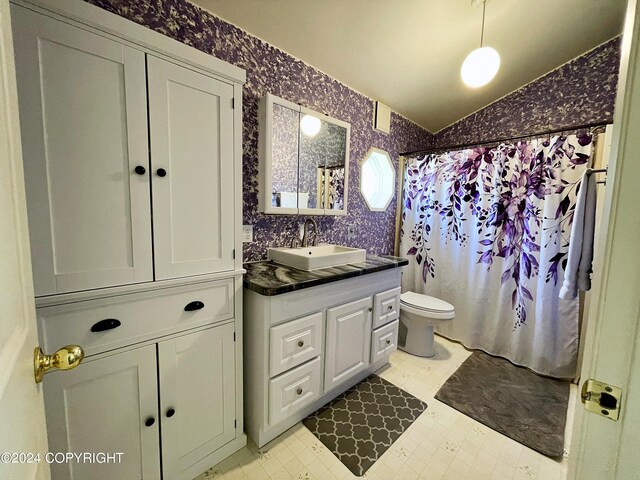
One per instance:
(441, 444)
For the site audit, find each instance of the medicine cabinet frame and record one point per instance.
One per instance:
(265, 158)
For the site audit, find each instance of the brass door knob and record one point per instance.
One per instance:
(66, 358)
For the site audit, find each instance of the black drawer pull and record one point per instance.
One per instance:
(106, 324)
(197, 305)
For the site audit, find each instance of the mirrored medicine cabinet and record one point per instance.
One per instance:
(304, 160)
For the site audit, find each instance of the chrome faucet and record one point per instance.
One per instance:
(295, 241)
(305, 236)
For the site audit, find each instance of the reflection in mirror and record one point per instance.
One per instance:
(284, 167)
(377, 180)
(322, 163)
(331, 187)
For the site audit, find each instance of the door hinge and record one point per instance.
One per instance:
(233, 103)
(235, 424)
(603, 399)
(233, 253)
(234, 336)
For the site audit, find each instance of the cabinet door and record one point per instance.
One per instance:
(102, 406)
(83, 112)
(348, 341)
(197, 396)
(191, 122)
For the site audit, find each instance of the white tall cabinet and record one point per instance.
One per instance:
(132, 155)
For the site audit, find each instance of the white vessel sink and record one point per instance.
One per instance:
(312, 258)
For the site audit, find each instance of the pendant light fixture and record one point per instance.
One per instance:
(482, 64)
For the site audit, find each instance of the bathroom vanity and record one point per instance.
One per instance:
(311, 335)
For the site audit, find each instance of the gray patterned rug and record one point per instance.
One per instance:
(363, 422)
(514, 401)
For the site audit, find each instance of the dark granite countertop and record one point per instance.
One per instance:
(269, 278)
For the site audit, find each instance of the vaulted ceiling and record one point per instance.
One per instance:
(408, 53)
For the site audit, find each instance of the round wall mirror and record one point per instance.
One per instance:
(377, 180)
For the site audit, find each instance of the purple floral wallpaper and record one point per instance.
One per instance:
(580, 92)
(272, 70)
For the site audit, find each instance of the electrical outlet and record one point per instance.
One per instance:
(351, 230)
(247, 233)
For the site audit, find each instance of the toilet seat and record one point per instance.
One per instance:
(426, 306)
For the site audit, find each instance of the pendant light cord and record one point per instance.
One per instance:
(484, 6)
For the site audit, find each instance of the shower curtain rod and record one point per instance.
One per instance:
(446, 148)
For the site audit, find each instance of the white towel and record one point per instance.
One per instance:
(293, 199)
(577, 274)
(288, 199)
(303, 200)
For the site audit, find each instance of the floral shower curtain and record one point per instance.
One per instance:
(487, 229)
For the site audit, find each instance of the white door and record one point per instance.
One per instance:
(197, 398)
(83, 112)
(22, 426)
(601, 448)
(191, 122)
(348, 341)
(106, 405)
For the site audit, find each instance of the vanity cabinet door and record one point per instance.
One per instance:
(191, 131)
(197, 397)
(83, 111)
(348, 341)
(104, 405)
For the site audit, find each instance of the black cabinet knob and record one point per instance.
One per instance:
(171, 412)
(149, 421)
(106, 324)
(161, 172)
(140, 170)
(197, 305)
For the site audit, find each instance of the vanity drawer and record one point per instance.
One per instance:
(386, 307)
(384, 341)
(128, 319)
(294, 390)
(294, 342)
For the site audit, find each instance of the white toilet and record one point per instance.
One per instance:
(418, 315)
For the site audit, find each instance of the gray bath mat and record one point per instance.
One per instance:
(363, 422)
(511, 400)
